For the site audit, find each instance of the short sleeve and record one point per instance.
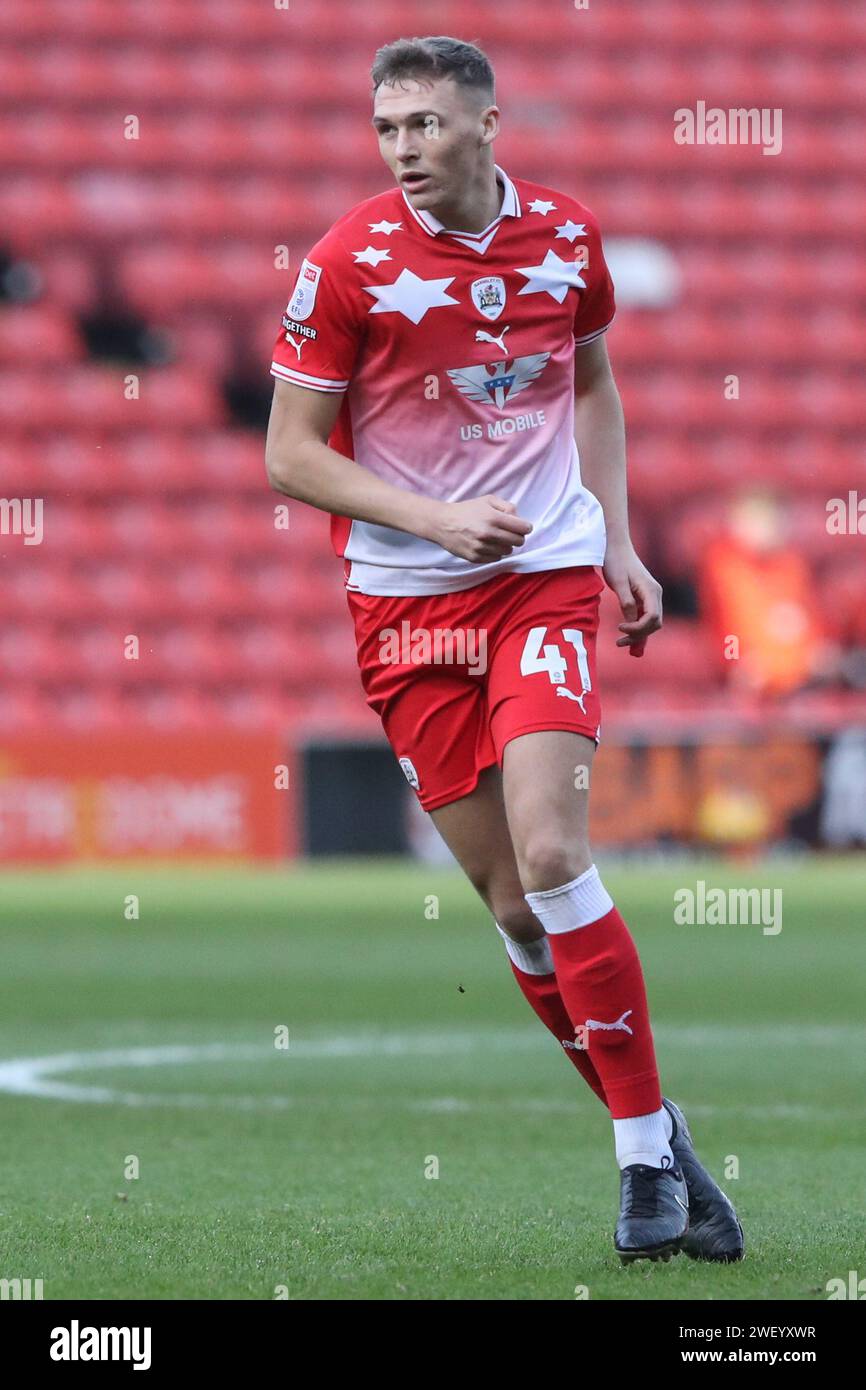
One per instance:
(596, 305)
(321, 327)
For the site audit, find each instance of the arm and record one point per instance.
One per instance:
(301, 464)
(599, 431)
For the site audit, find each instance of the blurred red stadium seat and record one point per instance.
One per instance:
(41, 334)
(158, 517)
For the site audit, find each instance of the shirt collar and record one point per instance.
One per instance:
(510, 207)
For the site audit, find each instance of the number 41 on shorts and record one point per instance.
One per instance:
(553, 662)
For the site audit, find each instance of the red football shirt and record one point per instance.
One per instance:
(455, 351)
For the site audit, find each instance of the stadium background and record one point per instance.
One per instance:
(165, 167)
(140, 999)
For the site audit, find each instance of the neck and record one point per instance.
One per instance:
(477, 206)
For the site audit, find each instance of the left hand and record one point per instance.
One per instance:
(640, 596)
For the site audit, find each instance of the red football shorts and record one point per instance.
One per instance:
(455, 676)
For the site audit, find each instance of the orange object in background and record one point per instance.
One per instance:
(717, 793)
(154, 796)
(757, 593)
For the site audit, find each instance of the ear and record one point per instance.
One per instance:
(489, 124)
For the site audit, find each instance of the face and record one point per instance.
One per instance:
(432, 136)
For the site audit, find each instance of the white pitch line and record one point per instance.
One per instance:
(37, 1076)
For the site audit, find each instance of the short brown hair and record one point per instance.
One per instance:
(434, 57)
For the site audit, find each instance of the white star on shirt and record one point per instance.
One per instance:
(386, 228)
(570, 230)
(371, 256)
(553, 277)
(539, 205)
(410, 296)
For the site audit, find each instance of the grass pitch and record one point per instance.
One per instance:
(150, 1046)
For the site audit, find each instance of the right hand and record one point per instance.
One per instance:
(482, 529)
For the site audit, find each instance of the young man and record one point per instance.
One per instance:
(442, 351)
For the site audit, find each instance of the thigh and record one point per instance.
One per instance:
(545, 715)
(546, 786)
(475, 829)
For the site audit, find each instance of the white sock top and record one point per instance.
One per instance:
(532, 957)
(574, 904)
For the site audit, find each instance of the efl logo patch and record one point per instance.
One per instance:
(409, 771)
(488, 296)
(303, 299)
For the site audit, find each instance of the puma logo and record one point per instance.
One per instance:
(297, 344)
(570, 695)
(483, 337)
(620, 1023)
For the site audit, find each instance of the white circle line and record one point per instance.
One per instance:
(37, 1077)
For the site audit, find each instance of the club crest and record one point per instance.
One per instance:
(410, 774)
(488, 296)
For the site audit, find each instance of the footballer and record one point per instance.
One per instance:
(443, 390)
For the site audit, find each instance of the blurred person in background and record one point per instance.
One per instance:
(759, 598)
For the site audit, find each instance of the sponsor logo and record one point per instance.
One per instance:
(497, 383)
(502, 428)
(303, 299)
(488, 295)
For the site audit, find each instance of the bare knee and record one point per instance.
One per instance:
(517, 920)
(546, 862)
(503, 894)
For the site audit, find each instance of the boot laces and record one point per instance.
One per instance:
(643, 1200)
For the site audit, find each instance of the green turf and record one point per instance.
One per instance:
(408, 1040)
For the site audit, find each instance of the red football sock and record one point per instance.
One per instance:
(601, 983)
(542, 992)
